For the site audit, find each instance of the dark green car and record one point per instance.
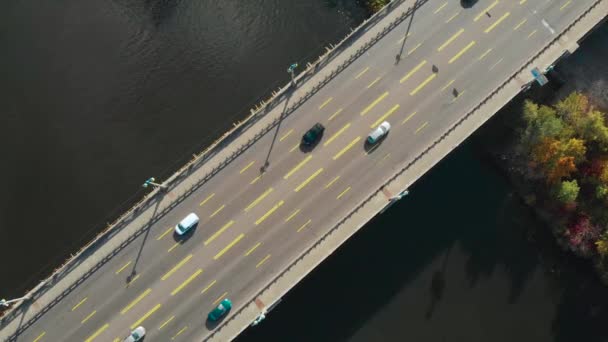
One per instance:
(313, 135)
(220, 310)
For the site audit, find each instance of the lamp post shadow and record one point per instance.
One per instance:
(276, 131)
(407, 33)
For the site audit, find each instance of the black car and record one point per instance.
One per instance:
(313, 135)
(467, 3)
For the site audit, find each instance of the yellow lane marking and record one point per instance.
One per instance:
(173, 247)
(217, 211)
(179, 332)
(421, 127)
(163, 234)
(206, 199)
(565, 5)
(450, 40)
(220, 298)
(452, 17)
(253, 248)
(409, 117)
(39, 336)
(230, 245)
(413, 49)
(116, 340)
(520, 23)
(461, 52)
(440, 8)
(262, 261)
(290, 216)
(457, 96)
(331, 182)
(269, 212)
(122, 268)
(495, 64)
(326, 102)
(373, 82)
(531, 34)
(348, 147)
(79, 303)
(89, 316)
(522, 2)
(424, 83)
(333, 137)
(373, 104)
(386, 115)
(132, 280)
(297, 167)
(286, 135)
(483, 55)
(403, 38)
(246, 167)
(176, 267)
(257, 200)
(143, 318)
(135, 301)
(331, 117)
(491, 27)
(343, 192)
(361, 73)
(447, 85)
(97, 333)
(485, 10)
(208, 286)
(293, 148)
(257, 178)
(304, 226)
(166, 322)
(187, 281)
(220, 231)
(303, 184)
(409, 74)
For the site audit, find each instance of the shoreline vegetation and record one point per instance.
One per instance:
(374, 6)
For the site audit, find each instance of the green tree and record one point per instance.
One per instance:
(573, 108)
(601, 192)
(567, 191)
(541, 122)
(593, 128)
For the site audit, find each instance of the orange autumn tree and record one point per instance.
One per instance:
(557, 159)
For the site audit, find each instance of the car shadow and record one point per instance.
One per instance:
(186, 236)
(308, 148)
(211, 325)
(369, 148)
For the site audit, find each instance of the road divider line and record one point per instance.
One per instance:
(411, 51)
(297, 167)
(361, 73)
(253, 248)
(173, 247)
(521, 2)
(132, 280)
(208, 286)
(374, 82)
(123, 267)
(333, 137)
(166, 322)
(423, 84)
(373, 104)
(491, 27)
(452, 17)
(531, 34)
(495, 64)
(447, 85)
(565, 5)
(487, 10)
(326, 103)
(303, 184)
(421, 127)
(440, 8)
(386, 115)
(303, 226)
(457, 96)
(411, 72)
(230, 245)
(217, 211)
(187, 281)
(262, 261)
(269, 212)
(286, 135)
(79, 303)
(206, 199)
(97, 333)
(348, 147)
(88, 317)
(135, 301)
(145, 316)
(39, 336)
(450, 40)
(219, 232)
(294, 147)
(520, 23)
(408, 118)
(259, 199)
(176, 267)
(331, 182)
(179, 332)
(343, 192)
(255, 180)
(215, 302)
(333, 116)
(163, 234)
(461, 52)
(295, 212)
(403, 38)
(246, 167)
(483, 55)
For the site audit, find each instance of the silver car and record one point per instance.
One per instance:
(136, 335)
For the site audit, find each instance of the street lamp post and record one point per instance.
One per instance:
(291, 71)
(151, 182)
(394, 200)
(5, 303)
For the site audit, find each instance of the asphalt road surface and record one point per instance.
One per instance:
(252, 224)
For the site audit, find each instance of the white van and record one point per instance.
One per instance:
(186, 224)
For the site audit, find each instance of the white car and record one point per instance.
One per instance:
(136, 335)
(186, 224)
(378, 133)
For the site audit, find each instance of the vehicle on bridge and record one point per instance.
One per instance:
(467, 3)
(220, 310)
(380, 132)
(136, 335)
(313, 135)
(186, 224)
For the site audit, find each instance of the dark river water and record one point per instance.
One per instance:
(98, 95)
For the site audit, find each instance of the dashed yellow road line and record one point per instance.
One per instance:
(303, 226)
(215, 302)
(483, 55)
(457, 96)
(413, 49)
(304, 183)
(179, 332)
(384, 116)
(421, 127)
(362, 72)
(520, 23)
(132, 280)
(348, 147)
(97, 333)
(333, 137)
(135, 301)
(246, 167)
(206, 199)
(286, 135)
(253, 248)
(269, 212)
(176, 267)
(259, 199)
(293, 148)
(440, 8)
(122, 268)
(491, 27)
(256, 179)
(88, 317)
(403, 38)
(326, 102)
(187, 281)
(169, 230)
(297, 167)
(423, 84)
(295, 212)
(343, 192)
(373, 82)
(452, 17)
(332, 116)
(173, 247)
(447, 85)
(531, 34)
(461, 52)
(145, 316)
(495, 64)
(565, 5)
(409, 117)
(450, 40)
(373, 104)
(217, 211)
(208, 286)
(331, 182)
(166, 322)
(262, 261)
(521, 2)
(230, 245)
(219, 232)
(411, 72)
(79, 303)
(482, 13)
(39, 336)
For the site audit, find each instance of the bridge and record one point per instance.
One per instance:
(271, 211)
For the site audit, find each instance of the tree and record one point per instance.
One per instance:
(541, 122)
(593, 128)
(601, 192)
(567, 191)
(573, 108)
(582, 235)
(557, 159)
